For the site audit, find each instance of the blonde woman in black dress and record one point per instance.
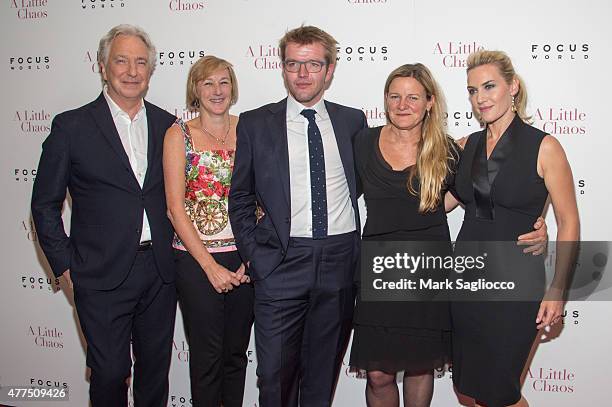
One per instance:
(506, 174)
(405, 169)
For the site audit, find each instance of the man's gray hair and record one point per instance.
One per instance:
(126, 29)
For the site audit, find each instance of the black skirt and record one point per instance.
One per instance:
(395, 349)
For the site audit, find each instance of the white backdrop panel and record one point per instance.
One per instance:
(49, 50)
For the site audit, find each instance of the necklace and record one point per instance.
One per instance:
(220, 141)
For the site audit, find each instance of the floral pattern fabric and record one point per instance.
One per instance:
(208, 176)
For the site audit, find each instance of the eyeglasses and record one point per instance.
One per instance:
(311, 66)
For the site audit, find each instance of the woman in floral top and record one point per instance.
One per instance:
(214, 293)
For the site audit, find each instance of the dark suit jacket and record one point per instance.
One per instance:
(261, 175)
(84, 154)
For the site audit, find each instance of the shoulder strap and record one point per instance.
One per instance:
(186, 134)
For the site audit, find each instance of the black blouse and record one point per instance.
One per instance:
(391, 207)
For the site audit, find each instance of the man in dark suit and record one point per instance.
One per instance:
(294, 159)
(108, 154)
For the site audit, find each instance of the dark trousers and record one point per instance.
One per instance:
(303, 313)
(141, 309)
(218, 328)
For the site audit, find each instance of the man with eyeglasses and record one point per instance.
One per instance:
(294, 159)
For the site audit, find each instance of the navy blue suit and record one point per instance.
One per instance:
(121, 291)
(303, 287)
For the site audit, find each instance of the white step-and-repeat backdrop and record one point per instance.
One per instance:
(48, 49)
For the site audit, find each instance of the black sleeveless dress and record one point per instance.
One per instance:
(409, 335)
(503, 196)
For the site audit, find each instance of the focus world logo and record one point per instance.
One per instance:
(569, 51)
(29, 63)
(102, 4)
(453, 54)
(179, 400)
(571, 317)
(363, 53)
(457, 118)
(41, 284)
(581, 186)
(182, 5)
(25, 174)
(251, 357)
(170, 58)
(33, 121)
(30, 9)
(46, 382)
(442, 372)
(264, 56)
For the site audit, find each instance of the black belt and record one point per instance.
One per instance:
(146, 245)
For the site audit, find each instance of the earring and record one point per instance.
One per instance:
(513, 105)
(196, 103)
(427, 114)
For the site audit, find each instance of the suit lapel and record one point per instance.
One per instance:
(345, 146)
(102, 116)
(152, 142)
(485, 171)
(277, 125)
(502, 150)
(480, 180)
(104, 120)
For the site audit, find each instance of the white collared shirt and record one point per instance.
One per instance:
(134, 135)
(340, 214)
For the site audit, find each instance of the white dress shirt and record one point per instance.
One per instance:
(134, 135)
(340, 214)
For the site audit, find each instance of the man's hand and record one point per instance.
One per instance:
(536, 240)
(66, 275)
(221, 278)
(244, 278)
(461, 142)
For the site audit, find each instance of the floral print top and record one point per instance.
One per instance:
(208, 176)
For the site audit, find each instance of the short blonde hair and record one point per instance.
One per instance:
(202, 69)
(502, 61)
(309, 34)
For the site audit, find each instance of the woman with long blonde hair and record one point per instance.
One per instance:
(404, 169)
